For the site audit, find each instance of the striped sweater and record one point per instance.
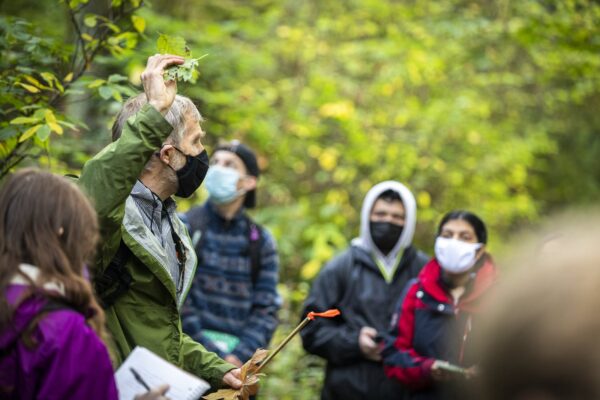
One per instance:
(223, 297)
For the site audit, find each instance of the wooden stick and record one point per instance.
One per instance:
(282, 344)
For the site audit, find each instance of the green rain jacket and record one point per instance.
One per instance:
(148, 313)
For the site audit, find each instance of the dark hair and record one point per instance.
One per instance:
(46, 221)
(472, 219)
(389, 196)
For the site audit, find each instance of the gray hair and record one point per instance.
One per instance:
(175, 116)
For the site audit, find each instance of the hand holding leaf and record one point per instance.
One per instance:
(250, 372)
(187, 72)
(250, 378)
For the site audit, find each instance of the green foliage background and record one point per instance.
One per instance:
(485, 105)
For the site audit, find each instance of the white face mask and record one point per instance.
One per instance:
(455, 256)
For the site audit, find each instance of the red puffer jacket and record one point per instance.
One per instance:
(432, 327)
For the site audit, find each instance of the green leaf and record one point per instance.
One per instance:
(185, 72)
(115, 78)
(172, 45)
(24, 121)
(90, 20)
(112, 27)
(43, 132)
(105, 92)
(117, 95)
(139, 23)
(7, 133)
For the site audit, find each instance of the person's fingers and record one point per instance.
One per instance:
(164, 62)
(162, 389)
(233, 378)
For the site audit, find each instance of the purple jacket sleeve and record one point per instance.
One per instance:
(75, 361)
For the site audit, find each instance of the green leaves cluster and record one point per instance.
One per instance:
(176, 45)
(38, 71)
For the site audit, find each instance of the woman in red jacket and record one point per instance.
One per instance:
(430, 350)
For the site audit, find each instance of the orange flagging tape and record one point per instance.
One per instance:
(325, 314)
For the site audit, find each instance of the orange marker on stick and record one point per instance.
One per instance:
(250, 370)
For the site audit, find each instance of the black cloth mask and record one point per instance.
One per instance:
(192, 174)
(385, 235)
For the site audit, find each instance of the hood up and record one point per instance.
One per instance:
(365, 240)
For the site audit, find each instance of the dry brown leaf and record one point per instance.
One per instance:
(223, 394)
(249, 378)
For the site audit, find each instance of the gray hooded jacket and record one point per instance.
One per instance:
(366, 293)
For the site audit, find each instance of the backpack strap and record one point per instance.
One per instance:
(115, 280)
(255, 242)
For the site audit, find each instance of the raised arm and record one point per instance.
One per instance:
(109, 176)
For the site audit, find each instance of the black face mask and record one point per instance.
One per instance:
(385, 235)
(192, 174)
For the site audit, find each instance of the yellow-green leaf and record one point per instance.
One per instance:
(172, 45)
(139, 23)
(55, 127)
(48, 77)
(33, 81)
(49, 116)
(24, 120)
(90, 20)
(96, 83)
(29, 88)
(29, 133)
(86, 37)
(69, 77)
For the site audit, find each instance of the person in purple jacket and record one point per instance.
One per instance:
(52, 335)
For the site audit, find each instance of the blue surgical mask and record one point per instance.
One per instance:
(221, 183)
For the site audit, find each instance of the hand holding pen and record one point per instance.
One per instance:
(158, 393)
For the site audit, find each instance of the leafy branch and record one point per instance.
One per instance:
(37, 72)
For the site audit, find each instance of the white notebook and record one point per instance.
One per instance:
(156, 371)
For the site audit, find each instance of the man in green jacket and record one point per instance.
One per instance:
(146, 260)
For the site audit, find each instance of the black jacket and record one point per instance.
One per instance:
(353, 283)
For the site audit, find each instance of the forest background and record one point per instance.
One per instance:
(490, 106)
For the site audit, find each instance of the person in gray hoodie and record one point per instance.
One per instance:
(365, 282)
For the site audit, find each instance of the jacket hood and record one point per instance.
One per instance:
(365, 240)
(485, 277)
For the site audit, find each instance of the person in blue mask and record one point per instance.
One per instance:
(233, 303)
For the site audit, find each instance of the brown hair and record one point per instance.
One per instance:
(540, 337)
(46, 221)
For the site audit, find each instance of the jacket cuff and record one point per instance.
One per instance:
(426, 368)
(216, 380)
(153, 121)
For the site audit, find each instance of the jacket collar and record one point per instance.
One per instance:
(431, 281)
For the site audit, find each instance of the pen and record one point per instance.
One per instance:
(139, 378)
